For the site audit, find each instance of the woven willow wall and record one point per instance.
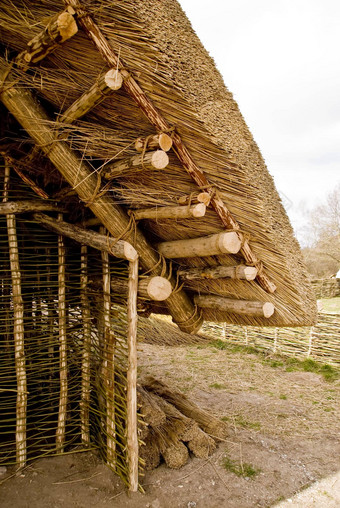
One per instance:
(58, 400)
(321, 342)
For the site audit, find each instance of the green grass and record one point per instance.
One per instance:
(240, 421)
(331, 305)
(246, 470)
(218, 386)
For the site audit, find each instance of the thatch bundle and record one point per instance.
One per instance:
(155, 46)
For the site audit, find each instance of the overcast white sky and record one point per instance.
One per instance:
(281, 61)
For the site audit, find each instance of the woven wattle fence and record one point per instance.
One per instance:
(320, 342)
(326, 288)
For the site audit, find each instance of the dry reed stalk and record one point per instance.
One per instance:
(86, 358)
(62, 412)
(109, 362)
(18, 334)
(131, 395)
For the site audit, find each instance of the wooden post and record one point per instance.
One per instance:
(109, 359)
(170, 212)
(18, 334)
(251, 308)
(219, 272)
(119, 249)
(86, 358)
(159, 122)
(211, 245)
(131, 394)
(151, 288)
(79, 174)
(63, 396)
(150, 160)
(107, 83)
(162, 141)
(60, 28)
(14, 207)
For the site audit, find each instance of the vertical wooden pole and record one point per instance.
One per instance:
(310, 344)
(275, 339)
(109, 357)
(85, 368)
(18, 333)
(131, 395)
(62, 413)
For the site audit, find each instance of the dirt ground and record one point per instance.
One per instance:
(284, 435)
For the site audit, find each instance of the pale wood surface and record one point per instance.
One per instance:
(27, 206)
(162, 141)
(219, 272)
(157, 159)
(86, 350)
(251, 308)
(171, 212)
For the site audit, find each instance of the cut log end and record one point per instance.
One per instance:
(130, 252)
(199, 210)
(159, 159)
(249, 272)
(230, 242)
(268, 309)
(113, 79)
(158, 288)
(67, 25)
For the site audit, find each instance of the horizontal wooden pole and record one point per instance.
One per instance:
(117, 248)
(251, 308)
(154, 288)
(171, 212)
(151, 160)
(162, 141)
(161, 124)
(221, 243)
(28, 206)
(60, 28)
(219, 272)
(107, 83)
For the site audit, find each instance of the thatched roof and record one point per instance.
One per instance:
(159, 49)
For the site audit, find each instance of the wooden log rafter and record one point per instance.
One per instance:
(157, 141)
(130, 85)
(79, 174)
(106, 84)
(170, 212)
(219, 272)
(153, 288)
(157, 159)
(117, 248)
(248, 307)
(17, 207)
(220, 243)
(60, 28)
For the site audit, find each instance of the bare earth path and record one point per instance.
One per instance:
(284, 435)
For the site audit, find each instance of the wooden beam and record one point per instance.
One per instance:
(221, 243)
(131, 381)
(219, 272)
(159, 122)
(151, 160)
(60, 28)
(154, 288)
(27, 207)
(106, 83)
(201, 197)
(80, 175)
(248, 307)
(162, 141)
(170, 212)
(117, 248)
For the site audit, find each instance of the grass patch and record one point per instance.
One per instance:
(246, 470)
(218, 386)
(242, 422)
(283, 396)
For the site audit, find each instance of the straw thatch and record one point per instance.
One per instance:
(161, 52)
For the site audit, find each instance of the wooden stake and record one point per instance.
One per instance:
(151, 160)
(27, 206)
(131, 394)
(18, 334)
(211, 245)
(117, 248)
(109, 359)
(60, 28)
(219, 272)
(104, 86)
(171, 212)
(162, 141)
(251, 308)
(86, 359)
(62, 413)
(159, 122)
(79, 174)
